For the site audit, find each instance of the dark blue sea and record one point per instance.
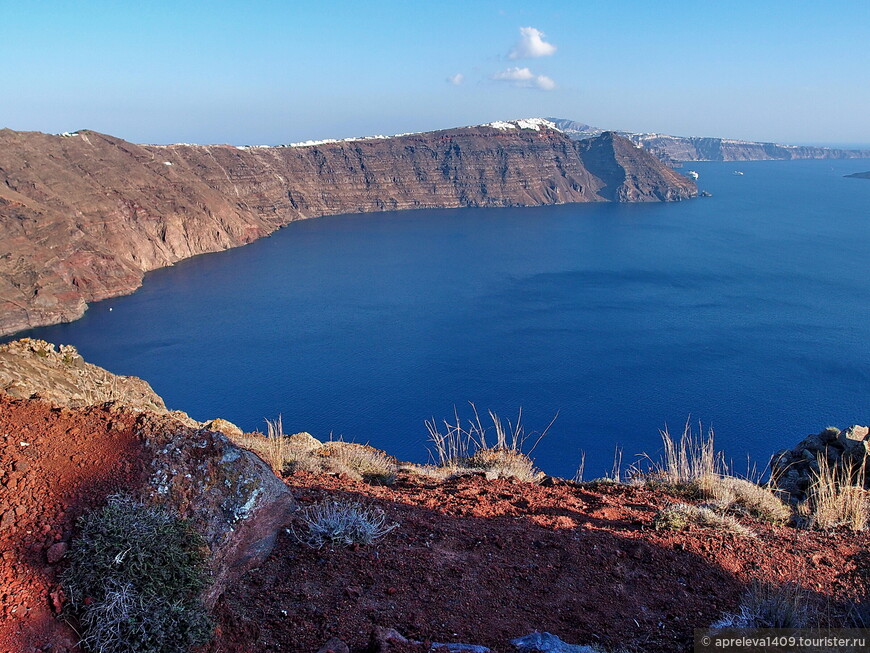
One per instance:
(748, 311)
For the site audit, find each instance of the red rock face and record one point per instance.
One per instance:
(83, 217)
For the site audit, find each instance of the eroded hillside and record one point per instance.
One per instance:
(83, 216)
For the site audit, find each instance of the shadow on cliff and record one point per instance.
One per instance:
(599, 157)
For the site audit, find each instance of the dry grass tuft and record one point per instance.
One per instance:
(271, 447)
(771, 606)
(681, 516)
(838, 498)
(692, 468)
(744, 497)
(357, 461)
(688, 461)
(463, 448)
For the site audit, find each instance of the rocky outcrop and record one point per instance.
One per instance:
(860, 175)
(794, 470)
(35, 368)
(229, 494)
(57, 463)
(83, 216)
(688, 148)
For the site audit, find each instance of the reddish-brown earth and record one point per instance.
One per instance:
(484, 562)
(56, 463)
(471, 561)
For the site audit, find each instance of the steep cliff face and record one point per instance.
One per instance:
(84, 216)
(679, 148)
(689, 148)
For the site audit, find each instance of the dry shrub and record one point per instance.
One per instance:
(342, 522)
(771, 606)
(691, 467)
(837, 496)
(468, 447)
(505, 463)
(745, 497)
(681, 516)
(358, 461)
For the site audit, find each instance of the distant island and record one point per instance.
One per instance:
(860, 175)
(693, 148)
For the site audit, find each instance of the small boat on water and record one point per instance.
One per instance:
(692, 174)
(737, 172)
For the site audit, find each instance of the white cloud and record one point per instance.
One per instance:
(456, 79)
(514, 74)
(544, 83)
(525, 78)
(531, 45)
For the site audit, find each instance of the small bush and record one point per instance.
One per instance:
(134, 579)
(681, 516)
(771, 606)
(358, 461)
(691, 468)
(125, 620)
(837, 496)
(505, 463)
(745, 497)
(342, 522)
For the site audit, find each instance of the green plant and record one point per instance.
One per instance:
(134, 579)
(342, 522)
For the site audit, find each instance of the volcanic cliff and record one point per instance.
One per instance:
(670, 148)
(83, 216)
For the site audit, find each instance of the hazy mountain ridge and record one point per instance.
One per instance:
(690, 148)
(83, 216)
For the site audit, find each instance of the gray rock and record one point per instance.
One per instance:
(229, 494)
(457, 648)
(334, 645)
(548, 643)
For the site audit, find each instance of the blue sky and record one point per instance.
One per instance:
(276, 72)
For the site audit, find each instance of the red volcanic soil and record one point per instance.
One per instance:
(484, 562)
(471, 561)
(55, 463)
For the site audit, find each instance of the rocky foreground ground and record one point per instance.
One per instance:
(471, 560)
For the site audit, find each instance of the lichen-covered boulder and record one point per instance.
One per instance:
(228, 493)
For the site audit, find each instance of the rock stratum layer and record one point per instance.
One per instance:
(693, 148)
(83, 216)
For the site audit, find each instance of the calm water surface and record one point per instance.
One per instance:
(747, 310)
